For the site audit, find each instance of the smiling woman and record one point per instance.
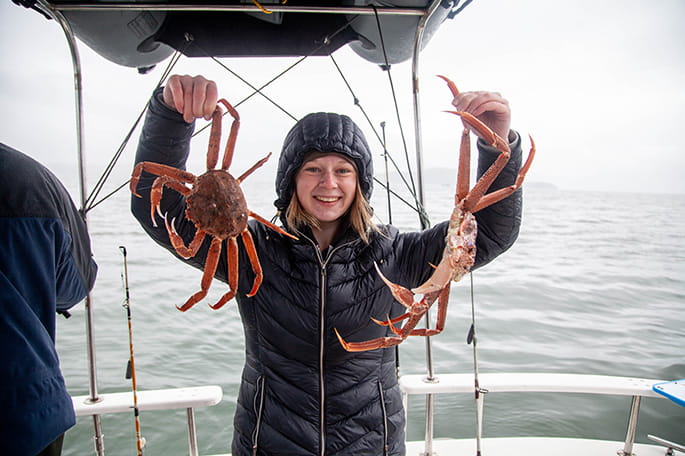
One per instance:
(322, 284)
(325, 188)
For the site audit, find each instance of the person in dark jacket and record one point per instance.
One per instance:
(46, 267)
(302, 393)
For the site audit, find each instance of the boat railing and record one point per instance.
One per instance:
(162, 399)
(532, 383)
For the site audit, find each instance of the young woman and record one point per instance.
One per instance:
(301, 392)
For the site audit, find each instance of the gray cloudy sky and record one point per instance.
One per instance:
(599, 85)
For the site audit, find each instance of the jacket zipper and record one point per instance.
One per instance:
(385, 419)
(258, 408)
(322, 397)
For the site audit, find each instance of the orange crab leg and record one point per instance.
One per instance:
(478, 190)
(391, 321)
(464, 170)
(452, 86)
(214, 138)
(159, 170)
(233, 135)
(179, 245)
(388, 341)
(443, 299)
(278, 229)
(481, 129)
(381, 342)
(401, 294)
(498, 195)
(156, 194)
(254, 167)
(416, 311)
(232, 257)
(207, 276)
(254, 261)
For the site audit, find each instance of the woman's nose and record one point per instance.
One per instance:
(328, 179)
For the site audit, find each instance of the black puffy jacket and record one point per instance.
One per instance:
(301, 392)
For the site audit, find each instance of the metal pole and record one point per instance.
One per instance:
(428, 451)
(192, 436)
(78, 93)
(632, 427)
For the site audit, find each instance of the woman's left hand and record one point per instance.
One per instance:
(489, 107)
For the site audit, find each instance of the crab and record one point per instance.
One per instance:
(215, 204)
(460, 243)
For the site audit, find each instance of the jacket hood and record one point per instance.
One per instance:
(322, 132)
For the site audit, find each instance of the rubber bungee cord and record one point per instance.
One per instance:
(131, 366)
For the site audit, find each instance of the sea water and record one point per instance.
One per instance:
(595, 284)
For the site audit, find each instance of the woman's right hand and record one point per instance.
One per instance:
(192, 96)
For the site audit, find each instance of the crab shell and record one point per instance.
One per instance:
(217, 205)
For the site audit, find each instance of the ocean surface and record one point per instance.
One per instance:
(594, 285)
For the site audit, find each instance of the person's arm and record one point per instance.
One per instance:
(52, 262)
(165, 139)
(498, 224)
(76, 268)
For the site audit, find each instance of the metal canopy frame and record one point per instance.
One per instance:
(54, 10)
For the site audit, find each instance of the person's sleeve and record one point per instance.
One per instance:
(499, 224)
(76, 269)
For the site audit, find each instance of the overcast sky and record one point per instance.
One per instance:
(599, 85)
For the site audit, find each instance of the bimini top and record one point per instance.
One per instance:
(143, 38)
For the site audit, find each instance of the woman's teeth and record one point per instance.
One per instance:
(326, 199)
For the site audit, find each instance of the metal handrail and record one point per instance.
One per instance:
(539, 383)
(162, 399)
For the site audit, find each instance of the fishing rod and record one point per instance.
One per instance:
(131, 367)
(478, 391)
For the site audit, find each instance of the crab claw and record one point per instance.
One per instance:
(343, 342)
(482, 130)
(401, 294)
(389, 324)
(452, 86)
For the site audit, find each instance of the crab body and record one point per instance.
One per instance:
(217, 205)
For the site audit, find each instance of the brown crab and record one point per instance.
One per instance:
(215, 204)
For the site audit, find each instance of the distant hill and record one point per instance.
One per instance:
(448, 176)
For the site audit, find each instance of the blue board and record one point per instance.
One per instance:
(674, 390)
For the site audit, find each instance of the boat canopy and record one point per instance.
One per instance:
(140, 34)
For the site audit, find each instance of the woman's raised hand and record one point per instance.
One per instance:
(192, 96)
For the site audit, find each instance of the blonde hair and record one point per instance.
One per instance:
(359, 216)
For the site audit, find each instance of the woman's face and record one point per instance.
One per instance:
(326, 186)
